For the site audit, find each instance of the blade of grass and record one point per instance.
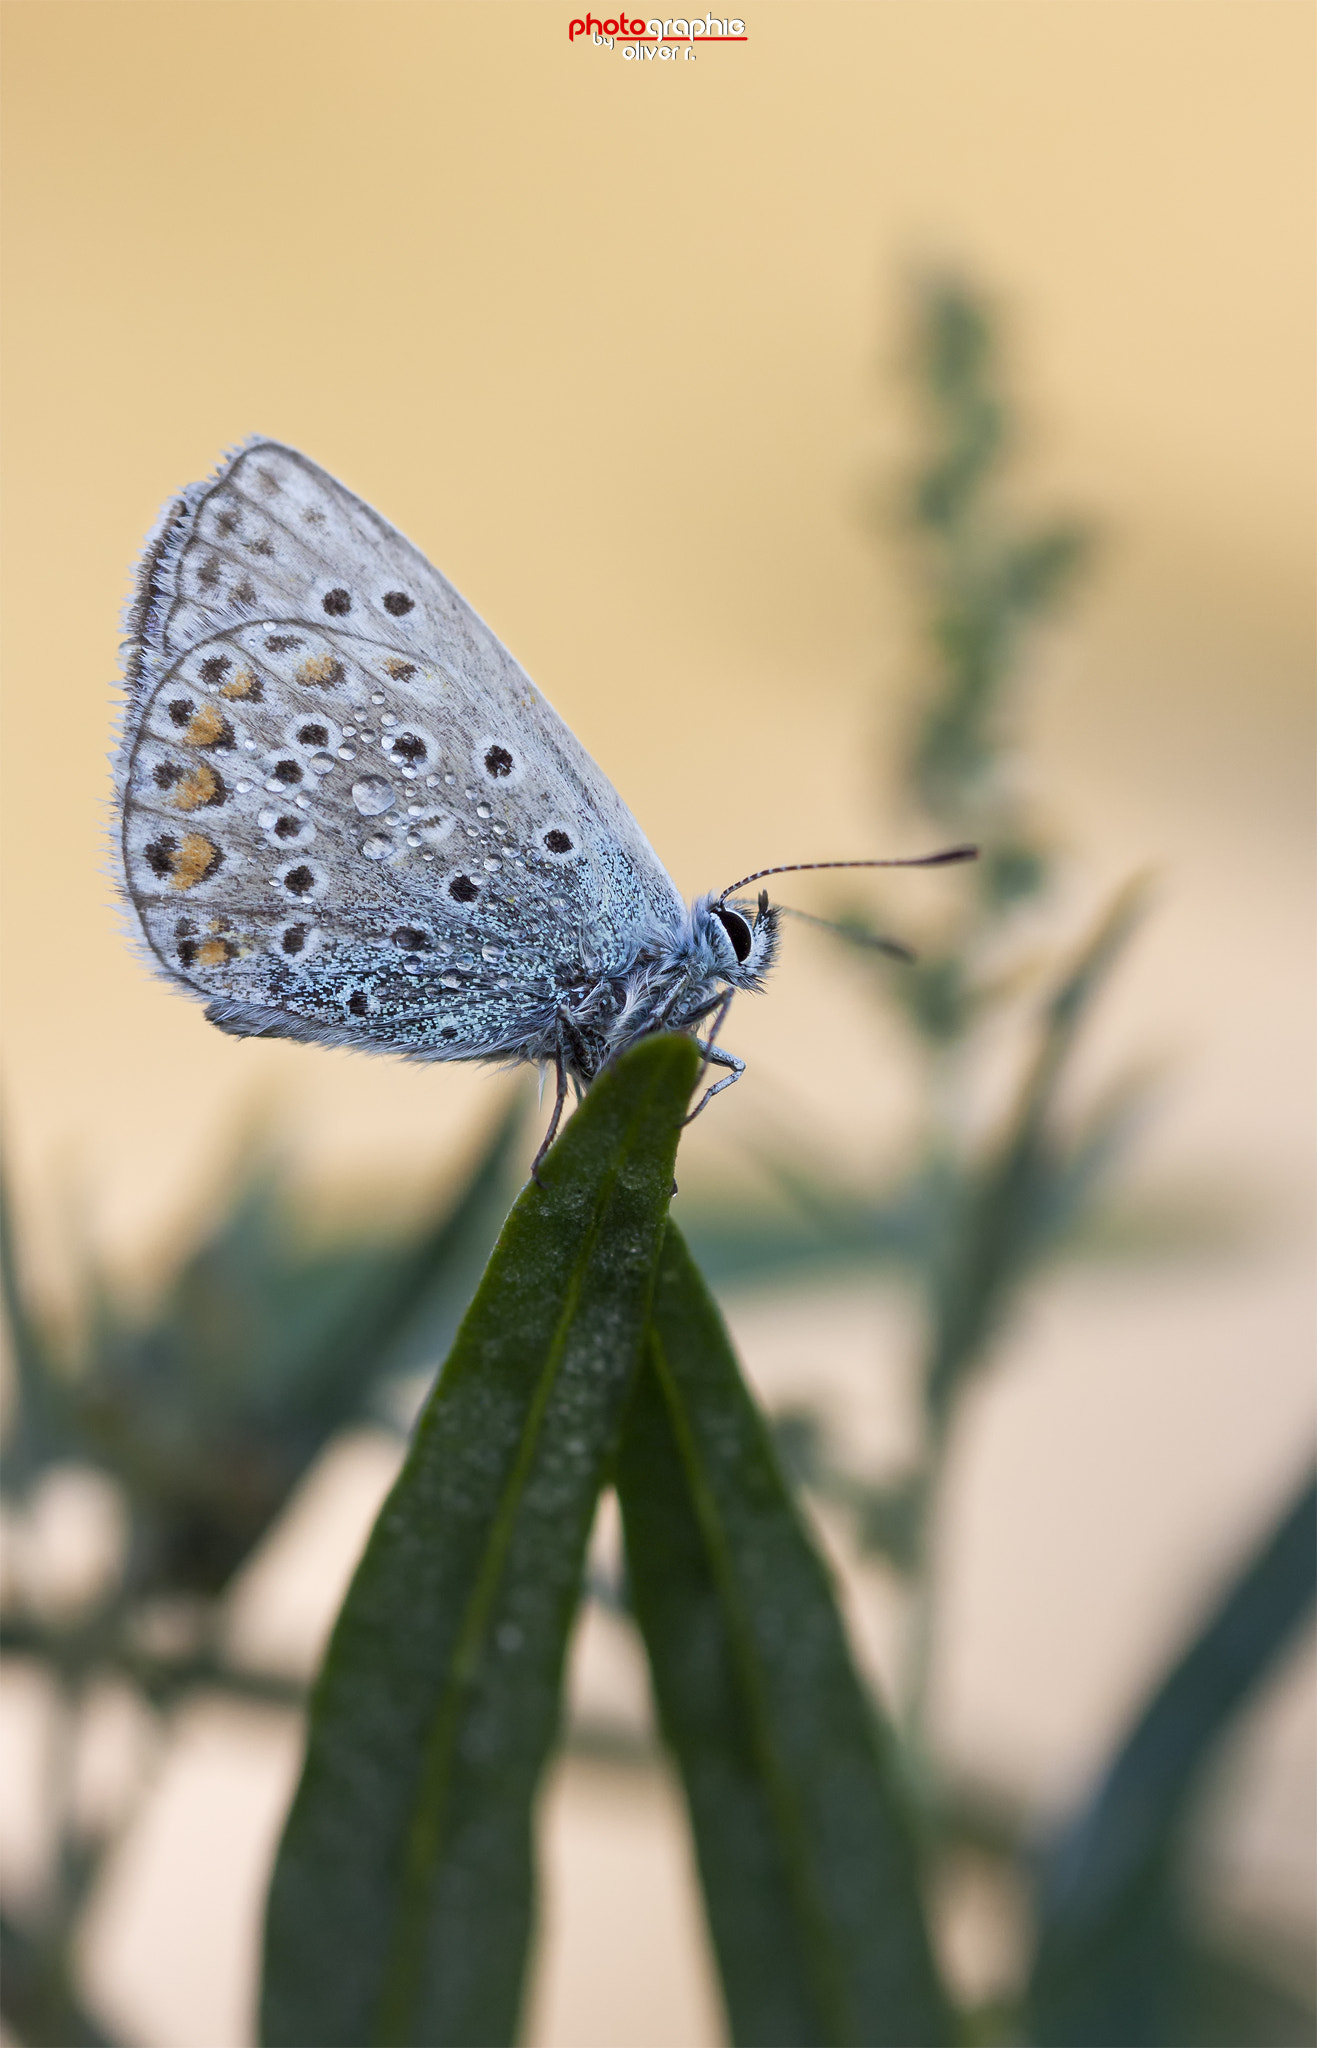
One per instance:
(36, 1999)
(1006, 1221)
(38, 1432)
(804, 1848)
(401, 1903)
(1110, 1956)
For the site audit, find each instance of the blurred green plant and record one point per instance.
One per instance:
(402, 1903)
(970, 1219)
(203, 1416)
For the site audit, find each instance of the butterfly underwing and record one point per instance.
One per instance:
(346, 814)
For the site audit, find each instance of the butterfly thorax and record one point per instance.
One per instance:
(673, 987)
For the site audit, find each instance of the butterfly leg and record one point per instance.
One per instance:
(714, 1056)
(561, 1064)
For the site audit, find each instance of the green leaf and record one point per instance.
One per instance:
(1226, 1998)
(36, 1998)
(1117, 1961)
(401, 1901)
(804, 1846)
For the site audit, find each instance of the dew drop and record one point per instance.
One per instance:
(243, 786)
(493, 866)
(377, 696)
(249, 746)
(416, 810)
(266, 818)
(303, 802)
(488, 952)
(450, 980)
(322, 763)
(482, 810)
(372, 795)
(347, 753)
(503, 982)
(413, 839)
(450, 780)
(350, 731)
(432, 782)
(427, 856)
(410, 774)
(386, 717)
(377, 848)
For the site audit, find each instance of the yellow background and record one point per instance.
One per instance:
(618, 346)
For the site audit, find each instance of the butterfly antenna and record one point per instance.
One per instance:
(892, 947)
(945, 859)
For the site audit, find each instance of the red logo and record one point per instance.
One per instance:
(656, 34)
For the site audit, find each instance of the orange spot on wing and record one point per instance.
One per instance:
(206, 728)
(244, 684)
(193, 861)
(215, 952)
(201, 785)
(320, 669)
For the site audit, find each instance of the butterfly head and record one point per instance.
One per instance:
(737, 946)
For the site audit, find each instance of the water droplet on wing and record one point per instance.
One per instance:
(371, 795)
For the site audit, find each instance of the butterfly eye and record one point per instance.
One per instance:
(736, 928)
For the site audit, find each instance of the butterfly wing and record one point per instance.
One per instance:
(346, 813)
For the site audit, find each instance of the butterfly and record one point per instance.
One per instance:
(346, 815)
